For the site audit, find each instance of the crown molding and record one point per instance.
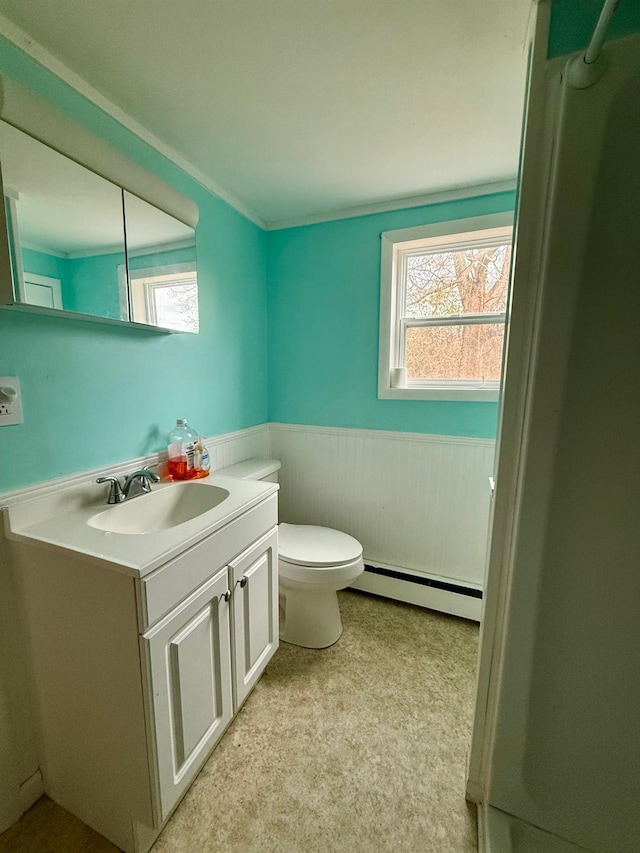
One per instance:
(41, 55)
(469, 191)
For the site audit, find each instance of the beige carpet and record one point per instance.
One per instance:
(359, 748)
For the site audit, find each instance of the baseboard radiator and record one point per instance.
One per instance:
(423, 590)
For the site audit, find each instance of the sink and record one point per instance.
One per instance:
(160, 510)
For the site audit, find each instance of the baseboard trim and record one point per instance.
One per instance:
(31, 790)
(422, 589)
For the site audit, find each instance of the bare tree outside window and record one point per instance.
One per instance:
(167, 296)
(460, 284)
(176, 306)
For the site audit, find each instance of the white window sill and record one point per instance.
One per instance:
(479, 395)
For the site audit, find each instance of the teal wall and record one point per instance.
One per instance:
(93, 285)
(45, 264)
(324, 298)
(90, 285)
(573, 22)
(173, 256)
(96, 394)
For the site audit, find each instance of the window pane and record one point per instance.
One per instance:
(470, 281)
(176, 306)
(471, 352)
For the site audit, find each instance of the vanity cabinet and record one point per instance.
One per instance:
(253, 577)
(138, 675)
(202, 660)
(188, 655)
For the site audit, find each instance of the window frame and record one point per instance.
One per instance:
(144, 281)
(395, 247)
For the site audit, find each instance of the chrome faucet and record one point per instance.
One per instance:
(139, 482)
(134, 484)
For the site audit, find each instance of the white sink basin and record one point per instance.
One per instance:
(160, 510)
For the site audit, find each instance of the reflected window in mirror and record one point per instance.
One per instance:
(66, 230)
(161, 266)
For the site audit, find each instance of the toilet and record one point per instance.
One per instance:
(313, 564)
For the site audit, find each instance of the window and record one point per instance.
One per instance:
(444, 291)
(164, 295)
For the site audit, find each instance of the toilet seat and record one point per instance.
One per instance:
(336, 577)
(307, 545)
(311, 555)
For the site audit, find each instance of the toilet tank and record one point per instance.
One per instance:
(253, 469)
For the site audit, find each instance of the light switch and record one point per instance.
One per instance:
(10, 402)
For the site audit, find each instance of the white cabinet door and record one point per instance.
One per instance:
(188, 660)
(254, 580)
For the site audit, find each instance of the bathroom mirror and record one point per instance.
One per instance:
(79, 243)
(161, 264)
(66, 230)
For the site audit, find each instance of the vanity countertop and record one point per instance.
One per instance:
(61, 522)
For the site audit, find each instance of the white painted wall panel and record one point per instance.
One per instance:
(419, 502)
(233, 447)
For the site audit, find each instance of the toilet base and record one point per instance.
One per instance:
(309, 619)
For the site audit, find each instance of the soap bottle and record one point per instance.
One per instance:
(181, 451)
(202, 461)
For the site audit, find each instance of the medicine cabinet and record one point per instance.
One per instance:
(80, 244)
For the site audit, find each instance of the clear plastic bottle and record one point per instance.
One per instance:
(181, 451)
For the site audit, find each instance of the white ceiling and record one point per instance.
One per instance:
(302, 107)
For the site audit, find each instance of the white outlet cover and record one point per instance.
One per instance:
(10, 405)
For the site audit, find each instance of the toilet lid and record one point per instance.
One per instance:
(308, 545)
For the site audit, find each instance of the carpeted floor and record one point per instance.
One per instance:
(360, 747)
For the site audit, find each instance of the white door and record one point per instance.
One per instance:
(254, 580)
(188, 661)
(42, 290)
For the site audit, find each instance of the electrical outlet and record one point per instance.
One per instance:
(10, 401)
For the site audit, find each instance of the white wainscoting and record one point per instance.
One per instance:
(418, 503)
(226, 450)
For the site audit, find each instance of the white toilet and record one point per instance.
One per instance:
(313, 564)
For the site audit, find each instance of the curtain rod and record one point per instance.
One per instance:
(586, 69)
(600, 32)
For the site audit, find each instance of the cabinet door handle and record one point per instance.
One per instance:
(226, 595)
(242, 582)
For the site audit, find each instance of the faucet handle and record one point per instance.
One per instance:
(116, 495)
(149, 474)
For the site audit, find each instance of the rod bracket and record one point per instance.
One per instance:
(581, 74)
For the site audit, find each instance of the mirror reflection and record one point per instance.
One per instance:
(80, 243)
(65, 228)
(161, 260)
